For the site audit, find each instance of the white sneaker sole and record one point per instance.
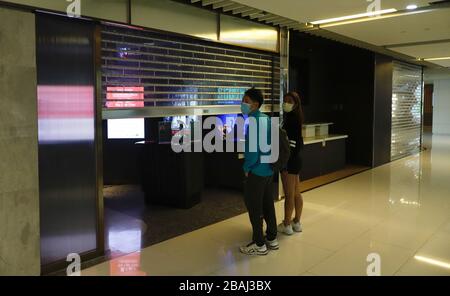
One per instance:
(273, 248)
(286, 233)
(255, 253)
(298, 231)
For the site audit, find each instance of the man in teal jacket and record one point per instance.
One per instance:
(258, 192)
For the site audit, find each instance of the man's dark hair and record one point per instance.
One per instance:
(255, 95)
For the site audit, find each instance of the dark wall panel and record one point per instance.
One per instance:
(382, 111)
(335, 82)
(67, 152)
(428, 105)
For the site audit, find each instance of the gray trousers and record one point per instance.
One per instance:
(258, 195)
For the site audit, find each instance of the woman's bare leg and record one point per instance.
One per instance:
(289, 194)
(298, 200)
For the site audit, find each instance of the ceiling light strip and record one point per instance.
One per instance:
(374, 18)
(437, 59)
(355, 16)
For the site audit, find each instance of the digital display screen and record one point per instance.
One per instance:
(128, 128)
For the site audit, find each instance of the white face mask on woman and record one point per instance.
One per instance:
(287, 107)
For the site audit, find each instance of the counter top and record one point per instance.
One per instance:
(306, 141)
(314, 140)
(317, 124)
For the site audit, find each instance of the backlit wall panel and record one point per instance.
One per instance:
(67, 151)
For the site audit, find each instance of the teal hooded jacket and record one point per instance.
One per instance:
(252, 162)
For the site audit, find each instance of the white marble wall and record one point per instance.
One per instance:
(441, 107)
(19, 194)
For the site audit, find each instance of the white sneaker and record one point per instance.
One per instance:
(254, 249)
(297, 227)
(285, 229)
(272, 244)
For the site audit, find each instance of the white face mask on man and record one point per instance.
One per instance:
(288, 107)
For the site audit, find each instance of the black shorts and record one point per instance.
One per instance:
(294, 164)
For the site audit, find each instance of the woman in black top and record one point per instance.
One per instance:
(290, 176)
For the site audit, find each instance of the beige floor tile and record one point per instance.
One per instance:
(431, 267)
(293, 258)
(352, 259)
(333, 233)
(433, 258)
(308, 274)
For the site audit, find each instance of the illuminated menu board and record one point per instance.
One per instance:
(124, 97)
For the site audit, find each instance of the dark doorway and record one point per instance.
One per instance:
(428, 106)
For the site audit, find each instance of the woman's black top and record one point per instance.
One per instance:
(293, 128)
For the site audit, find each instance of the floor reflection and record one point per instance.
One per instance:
(130, 224)
(128, 265)
(123, 233)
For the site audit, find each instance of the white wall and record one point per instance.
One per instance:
(174, 17)
(441, 106)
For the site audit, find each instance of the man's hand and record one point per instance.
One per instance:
(246, 174)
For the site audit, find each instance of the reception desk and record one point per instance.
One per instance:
(178, 179)
(169, 178)
(322, 155)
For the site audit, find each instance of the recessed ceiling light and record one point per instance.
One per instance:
(411, 7)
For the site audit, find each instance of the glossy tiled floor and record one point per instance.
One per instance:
(400, 211)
